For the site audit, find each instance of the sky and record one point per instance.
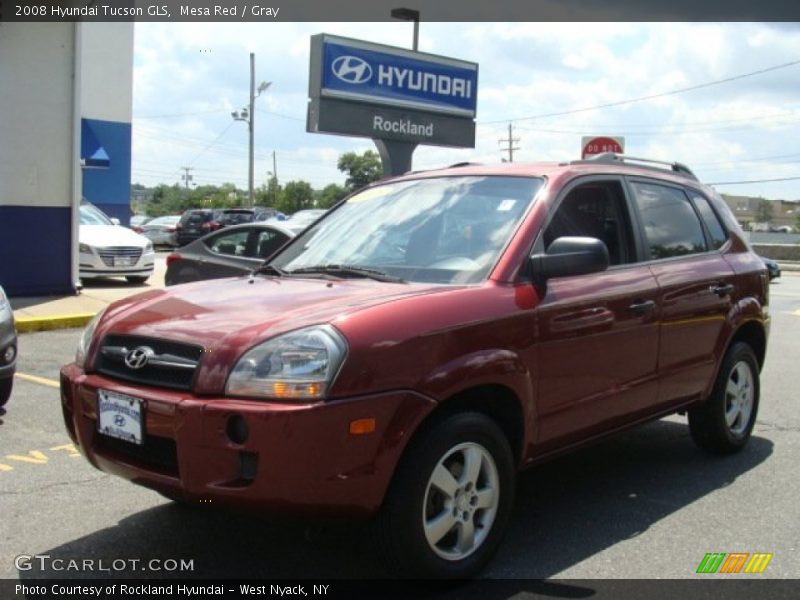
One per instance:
(189, 77)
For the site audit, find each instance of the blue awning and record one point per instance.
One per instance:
(93, 155)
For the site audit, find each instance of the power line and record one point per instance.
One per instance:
(651, 96)
(754, 181)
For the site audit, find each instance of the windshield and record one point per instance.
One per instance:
(91, 215)
(441, 230)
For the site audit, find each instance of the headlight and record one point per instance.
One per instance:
(86, 339)
(148, 247)
(299, 365)
(85, 248)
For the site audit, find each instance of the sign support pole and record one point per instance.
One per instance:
(395, 156)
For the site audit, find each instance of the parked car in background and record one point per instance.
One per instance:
(230, 252)
(195, 223)
(8, 348)
(107, 249)
(138, 221)
(773, 268)
(304, 218)
(161, 230)
(406, 355)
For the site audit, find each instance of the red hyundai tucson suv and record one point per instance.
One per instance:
(431, 336)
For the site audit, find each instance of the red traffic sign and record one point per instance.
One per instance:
(591, 146)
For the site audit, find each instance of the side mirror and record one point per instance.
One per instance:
(570, 256)
(114, 221)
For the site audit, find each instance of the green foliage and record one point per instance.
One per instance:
(296, 195)
(361, 169)
(330, 195)
(173, 200)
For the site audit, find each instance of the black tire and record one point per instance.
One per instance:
(5, 390)
(723, 423)
(137, 279)
(413, 499)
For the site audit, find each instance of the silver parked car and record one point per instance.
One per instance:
(161, 230)
(8, 348)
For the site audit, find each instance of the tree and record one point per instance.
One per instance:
(297, 195)
(269, 194)
(361, 169)
(330, 195)
(764, 212)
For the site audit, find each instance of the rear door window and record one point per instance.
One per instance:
(671, 225)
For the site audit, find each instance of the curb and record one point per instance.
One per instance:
(30, 324)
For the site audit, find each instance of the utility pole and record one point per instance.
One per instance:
(510, 141)
(186, 177)
(248, 115)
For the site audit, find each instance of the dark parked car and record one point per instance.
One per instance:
(405, 356)
(229, 252)
(196, 223)
(8, 348)
(773, 268)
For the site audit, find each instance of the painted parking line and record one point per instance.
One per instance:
(37, 457)
(40, 380)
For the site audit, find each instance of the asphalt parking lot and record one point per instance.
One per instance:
(646, 504)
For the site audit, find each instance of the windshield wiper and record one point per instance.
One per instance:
(270, 270)
(345, 270)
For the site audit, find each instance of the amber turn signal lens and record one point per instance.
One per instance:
(362, 426)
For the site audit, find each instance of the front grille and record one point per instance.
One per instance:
(157, 453)
(120, 255)
(171, 364)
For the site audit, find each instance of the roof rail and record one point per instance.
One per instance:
(463, 164)
(609, 158)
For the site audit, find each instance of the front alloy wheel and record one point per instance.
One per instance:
(461, 501)
(450, 500)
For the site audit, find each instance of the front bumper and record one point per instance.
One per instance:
(296, 458)
(92, 265)
(8, 338)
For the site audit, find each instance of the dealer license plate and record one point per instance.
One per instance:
(123, 261)
(119, 416)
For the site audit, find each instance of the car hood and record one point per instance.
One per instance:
(234, 314)
(103, 236)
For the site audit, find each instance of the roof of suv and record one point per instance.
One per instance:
(607, 163)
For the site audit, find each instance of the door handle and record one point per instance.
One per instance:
(722, 290)
(642, 307)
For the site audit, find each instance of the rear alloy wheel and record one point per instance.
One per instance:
(5, 390)
(451, 499)
(138, 279)
(724, 422)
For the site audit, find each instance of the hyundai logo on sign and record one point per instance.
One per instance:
(352, 69)
(373, 73)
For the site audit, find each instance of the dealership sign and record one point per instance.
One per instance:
(594, 145)
(387, 93)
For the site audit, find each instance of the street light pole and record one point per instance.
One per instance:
(408, 14)
(248, 115)
(251, 127)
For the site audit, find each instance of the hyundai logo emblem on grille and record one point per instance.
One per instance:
(352, 69)
(138, 357)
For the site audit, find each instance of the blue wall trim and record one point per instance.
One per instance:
(110, 188)
(35, 246)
